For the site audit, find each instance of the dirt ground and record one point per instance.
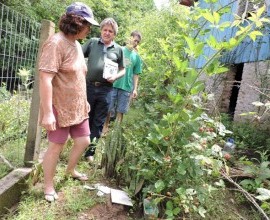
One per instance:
(105, 212)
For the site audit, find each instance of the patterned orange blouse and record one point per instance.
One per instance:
(65, 58)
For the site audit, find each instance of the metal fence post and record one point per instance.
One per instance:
(32, 148)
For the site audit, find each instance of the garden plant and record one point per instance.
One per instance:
(169, 150)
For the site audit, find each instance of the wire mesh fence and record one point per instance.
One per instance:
(19, 42)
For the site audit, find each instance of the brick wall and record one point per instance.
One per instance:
(254, 87)
(221, 86)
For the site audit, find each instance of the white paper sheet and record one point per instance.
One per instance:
(110, 68)
(120, 197)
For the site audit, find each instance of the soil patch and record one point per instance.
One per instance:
(106, 211)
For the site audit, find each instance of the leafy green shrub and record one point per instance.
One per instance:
(173, 154)
(14, 119)
(14, 115)
(4, 94)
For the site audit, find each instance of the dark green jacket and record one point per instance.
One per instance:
(95, 51)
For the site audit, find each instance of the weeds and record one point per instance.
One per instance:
(73, 197)
(247, 136)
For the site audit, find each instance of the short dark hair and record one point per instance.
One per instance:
(136, 33)
(72, 24)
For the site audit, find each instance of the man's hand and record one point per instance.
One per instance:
(111, 79)
(134, 94)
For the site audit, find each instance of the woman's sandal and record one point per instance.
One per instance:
(51, 197)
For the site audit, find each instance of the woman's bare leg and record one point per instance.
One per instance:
(49, 166)
(80, 144)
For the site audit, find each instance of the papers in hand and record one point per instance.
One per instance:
(110, 68)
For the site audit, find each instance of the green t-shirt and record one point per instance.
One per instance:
(95, 50)
(133, 65)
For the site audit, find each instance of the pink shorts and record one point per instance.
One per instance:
(60, 135)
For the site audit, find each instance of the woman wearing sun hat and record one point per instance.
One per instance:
(64, 107)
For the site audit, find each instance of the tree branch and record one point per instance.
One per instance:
(246, 194)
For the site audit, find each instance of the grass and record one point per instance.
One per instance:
(75, 202)
(73, 197)
(4, 169)
(13, 152)
(228, 205)
(14, 114)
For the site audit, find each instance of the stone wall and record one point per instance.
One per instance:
(254, 87)
(229, 79)
(221, 87)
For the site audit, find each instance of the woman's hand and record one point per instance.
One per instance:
(48, 122)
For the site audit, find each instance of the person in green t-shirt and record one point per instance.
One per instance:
(126, 87)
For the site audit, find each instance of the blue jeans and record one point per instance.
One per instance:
(119, 101)
(99, 98)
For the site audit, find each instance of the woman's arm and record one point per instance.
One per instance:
(45, 88)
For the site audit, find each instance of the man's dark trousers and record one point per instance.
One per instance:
(99, 98)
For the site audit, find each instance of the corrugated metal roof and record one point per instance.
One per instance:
(247, 51)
